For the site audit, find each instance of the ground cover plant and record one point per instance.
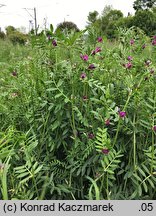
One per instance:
(78, 117)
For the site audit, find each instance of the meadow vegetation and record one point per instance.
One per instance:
(78, 116)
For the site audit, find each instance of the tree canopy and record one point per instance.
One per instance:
(143, 4)
(67, 26)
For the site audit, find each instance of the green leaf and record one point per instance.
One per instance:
(58, 95)
(110, 171)
(55, 125)
(151, 183)
(23, 175)
(51, 28)
(141, 172)
(134, 195)
(60, 82)
(38, 169)
(97, 192)
(137, 177)
(145, 187)
(51, 89)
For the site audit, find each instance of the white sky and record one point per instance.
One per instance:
(56, 11)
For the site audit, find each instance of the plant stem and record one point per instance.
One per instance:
(118, 127)
(134, 143)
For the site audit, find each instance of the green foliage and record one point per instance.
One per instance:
(144, 177)
(143, 4)
(67, 27)
(61, 135)
(110, 19)
(146, 21)
(92, 17)
(2, 35)
(15, 36)
(10, 30)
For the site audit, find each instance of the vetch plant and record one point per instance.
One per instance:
(78, 127)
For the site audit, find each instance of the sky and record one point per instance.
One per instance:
(20, 13)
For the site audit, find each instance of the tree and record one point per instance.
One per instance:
(114, 15)
(67, 27)
(108, 22)
(10, 30)
(145, 20)
(2, 34)
(106, 10)
(92, 17)
(143, 4)
(15, 36)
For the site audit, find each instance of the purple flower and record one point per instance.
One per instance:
(97, 49)
(93, 52)
(83, 76)
(144, 46)
(131, 41)
(154, 37)
(100, 39)
(107, 122)
(122, 114)
(154, 42)
(84, 57)
(14, 73)
(54, 43)
(90, 135)
(154, 128)
(129, 58)
(85, 98)
(128, 65)
(105, 151)
(91, 67)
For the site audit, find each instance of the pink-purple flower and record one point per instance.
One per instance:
(143, 46)
(54, 43)
(100, 39)
(85, 98)
(129, 58)
(154, 128)
(154, 42)
(131, 41)
(128, 65)
(83, 76)
(122, 114)
(84, 57)
(90, 135)
(91, 67)
(93, 52)
(14, 73)
(107, 122)
(105, 151)
(97, 49)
